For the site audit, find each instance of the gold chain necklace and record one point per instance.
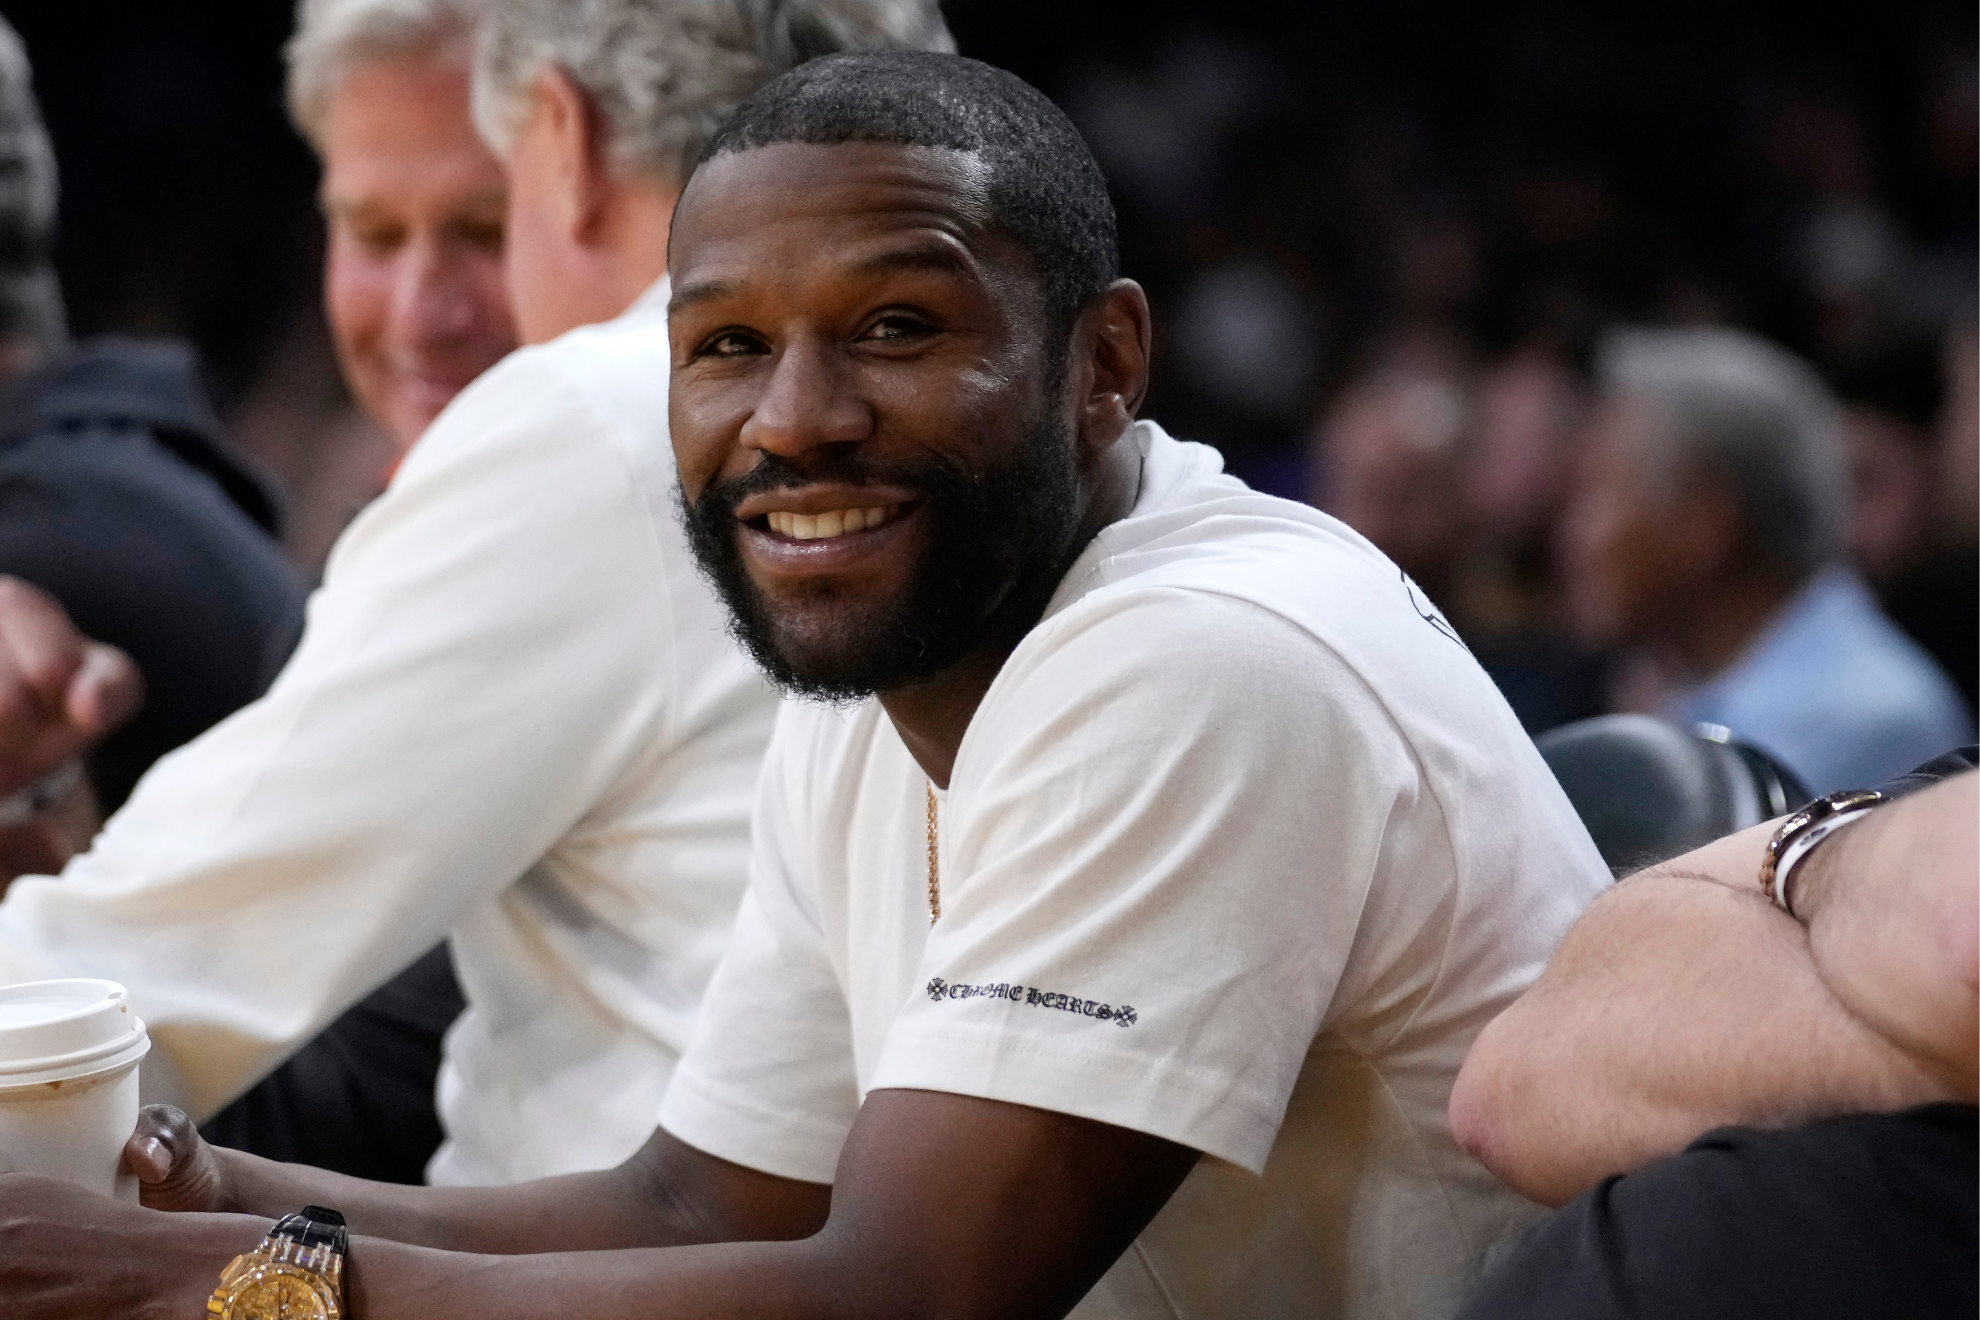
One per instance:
(934, 866)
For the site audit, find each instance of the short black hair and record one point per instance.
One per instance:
(1046, 189)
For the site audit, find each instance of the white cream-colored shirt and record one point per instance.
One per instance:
(515, 716)
(1241, 849)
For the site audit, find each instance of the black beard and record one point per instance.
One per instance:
(1003, 534)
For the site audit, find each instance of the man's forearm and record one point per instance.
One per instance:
(668, 1194)
(391, 1281)
(1675, 1005)
(578, 1212)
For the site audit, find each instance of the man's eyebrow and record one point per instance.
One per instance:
(347, 204)
(919, 258)
(937, 257)
(922, 256)
(701, 292)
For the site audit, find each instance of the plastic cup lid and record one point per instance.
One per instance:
(53, 1031)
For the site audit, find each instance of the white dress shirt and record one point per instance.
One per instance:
(516, 716)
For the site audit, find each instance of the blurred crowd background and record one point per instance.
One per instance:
(1384, 242)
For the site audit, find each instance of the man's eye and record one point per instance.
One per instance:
(378, 240)
(483, 234)
(730, 343)
(893, 329)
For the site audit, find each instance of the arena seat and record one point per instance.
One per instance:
(1649, 790)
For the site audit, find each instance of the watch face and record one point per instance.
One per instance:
(281, 1295)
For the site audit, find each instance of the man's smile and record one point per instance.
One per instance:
(833, 522)
(823, 527)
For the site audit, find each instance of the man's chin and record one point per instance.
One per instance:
(822, 658)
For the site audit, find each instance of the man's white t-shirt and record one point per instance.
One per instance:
(516, 716)
(1241, 849)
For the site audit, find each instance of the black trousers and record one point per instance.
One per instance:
(1856, 1218)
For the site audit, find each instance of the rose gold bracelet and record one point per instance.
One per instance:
(1773, 873)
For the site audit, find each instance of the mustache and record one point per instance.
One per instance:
(775, 472)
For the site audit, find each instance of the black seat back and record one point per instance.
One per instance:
(1649, 790)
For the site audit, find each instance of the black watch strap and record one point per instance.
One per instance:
(315, 1227)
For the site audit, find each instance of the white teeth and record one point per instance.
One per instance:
(834, 522)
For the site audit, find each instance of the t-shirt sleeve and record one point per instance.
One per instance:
(1166, 818)
(768, 1081)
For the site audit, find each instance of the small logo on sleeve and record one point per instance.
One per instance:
(1121, 1016)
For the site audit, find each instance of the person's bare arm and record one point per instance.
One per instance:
(1681, 1001)
(944, 1206)
(667, 1194)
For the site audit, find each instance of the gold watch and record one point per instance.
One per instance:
(297, 1273)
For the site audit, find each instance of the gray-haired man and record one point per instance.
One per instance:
(1706, 537)
(413, 201)
(515, 714)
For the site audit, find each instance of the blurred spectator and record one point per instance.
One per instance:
(414, 201)
(122, 497)
(1704, 540)
(1529, 409)
(1386, 453)
(1530, 406)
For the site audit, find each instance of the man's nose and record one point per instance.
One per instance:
(432, 297)
(807, 402)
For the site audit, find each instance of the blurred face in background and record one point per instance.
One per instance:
(1387, 456)
(1891, 491)
(414, 203)
(1529, 405)
(1639, 541)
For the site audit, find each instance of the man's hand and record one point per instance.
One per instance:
(60, 693)
(65, 1252)
(944, 1205)
(175, 1168)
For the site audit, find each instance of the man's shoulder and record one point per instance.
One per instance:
(1199, 530)
(1221, 608)
(1213, 568)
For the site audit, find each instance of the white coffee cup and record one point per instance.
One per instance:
(69, 1054)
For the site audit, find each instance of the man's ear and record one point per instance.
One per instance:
(573, 133)
(1111, 345)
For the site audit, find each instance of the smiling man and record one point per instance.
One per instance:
(413, 202)
(1120, 916)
